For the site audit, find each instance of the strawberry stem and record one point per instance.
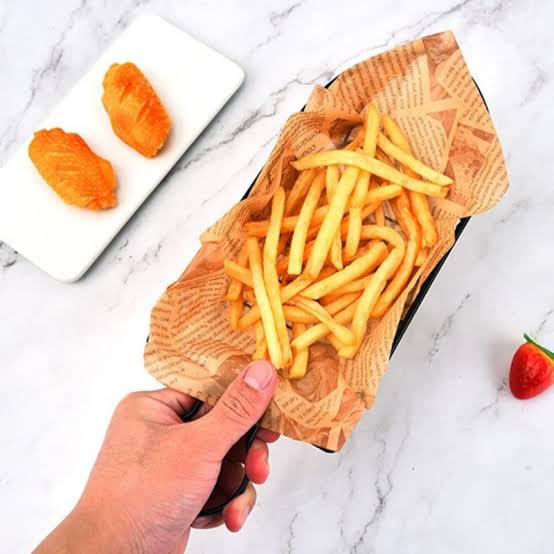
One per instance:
(541, 348)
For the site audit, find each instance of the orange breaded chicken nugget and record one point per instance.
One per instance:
(73, 170)
(138, 117)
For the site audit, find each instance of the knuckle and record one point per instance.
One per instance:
(238, 407)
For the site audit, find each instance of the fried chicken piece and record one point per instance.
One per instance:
(137, 115)
(66, 162)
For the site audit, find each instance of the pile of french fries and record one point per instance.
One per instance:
(328, 258)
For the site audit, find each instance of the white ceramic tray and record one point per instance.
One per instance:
(193, 82)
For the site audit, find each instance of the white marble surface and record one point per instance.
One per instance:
(447, 461)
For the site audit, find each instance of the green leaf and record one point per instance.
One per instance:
(541, 348)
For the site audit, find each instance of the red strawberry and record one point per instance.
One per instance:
(532, 370)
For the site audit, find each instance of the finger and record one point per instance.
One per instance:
(179, 402)
(229, 480)
(236, 512)
(257, 464)
(240, 407)
(267, 436)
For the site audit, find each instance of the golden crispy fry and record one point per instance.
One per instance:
(331, 223)
(420, 204)
(238, 273)
(235, 311)
(421, 257)
(298, 241)
(299, 190)
(300, 362)
(380, 211)
(313, 334)
(249, 296)
(369, 298)
(235, 287)
(271, 277)
(332, 180)
(261, 345)
(372, 124)
(344, 334)
(387, 192)
(263, 303)
(376, 167)
(401, 207)
(299, 315)
(288, 292)
(353, 234)
(339, 304)
(283, 262)
(360, 266)
(283, 240)
(376, 232)
(407, 160)
(357, 285)
(294, 314)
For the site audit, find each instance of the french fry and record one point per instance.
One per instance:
(317, 332)
(283, 240)
(294, 314)
(298, 241)
(288, 292)
(340, 303)
(299, 189)
(369, 261)
(331, 223)
(357, 285)
(380, 211)
(421, 257)
(271, 278)
(235, 311)
(300, 362)
(299, 315)
(407, 160)
(345, 335)
(353, 234)
(372, 165)
(372, 124)
(261, 345)
(420, 204)
(376, 232)
(238, 273)
(263, 304)
(331, 183)
(369, 299)
(235, 286)
(401, 207)
(249, 296)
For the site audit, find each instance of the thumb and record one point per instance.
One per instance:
(241, 406)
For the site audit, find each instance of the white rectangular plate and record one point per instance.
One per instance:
(192, 81)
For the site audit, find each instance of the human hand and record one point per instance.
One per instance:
(154, 473)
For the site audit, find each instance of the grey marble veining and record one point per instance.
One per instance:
(447, 460)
